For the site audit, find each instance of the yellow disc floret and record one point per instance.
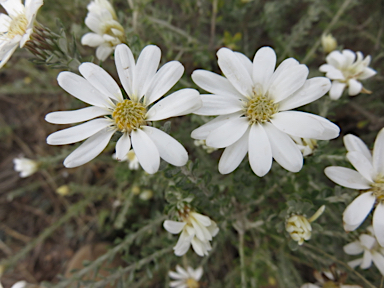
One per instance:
(18, 26)
(378, 189)
(260, 109)
(192, 283)
(129, 115)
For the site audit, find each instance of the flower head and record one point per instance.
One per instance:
(299, 227)
(25, 166)
(131, 117)
(368, 245)
(196, 229)
(328, 42)
(186, 278)
(369, 177)
(17, 26)
(345, 71)
(306, 145)
(253, 101)
(107, 31)
(133, 162)
(330, 279)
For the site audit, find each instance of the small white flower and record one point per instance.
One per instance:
(330, 279)
(16, 27)
(369, 177)
(108, 33)
(196, 229)
(328, 42)
(132, 117)
(253, 101)
(185, 278)
(306, 145)
(133, 162)
(345, 71)
(368, 245)
(204, 146)
(25, 166)
(299, 227)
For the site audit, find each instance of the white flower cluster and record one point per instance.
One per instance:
(369, 177)
(196, 229)
(107, 31)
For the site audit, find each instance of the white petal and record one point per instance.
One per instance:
(349, 57)
(68, 117)
(92, 40)
(355, 263)
(123, 146)
(367, 260)
(361, 164)
(183, 244)
(214, 83)
(13, 7)
(198, 247)
(77, 133)
(218, 105)
(358, 210)
(259, 150)
(354, 143)
(173, 227)
(354, 87)
(80, 88)
(204, 220)
(367, 73)
(312, 90)
(284, 150)
(353, 248)
(309, 285)
(378, 223)
(101, 80)
(198, 273)
(169, 148)
(8, 54)
(228, 133)
(145, 70)
(89, 150)
(20, 284)
(203, 131)
(297, 123)
(182, 271)
(125, 66)
(378, 153)
(337, 89)
(235, 71)
(367, 241)
(201, 231)
(179, 103)
(164, 80)
(331, 130)
(347, 177)
(287, 81)
(103, 51)
(378, 259)
(233, 155)
(245, 61)
(264, 64)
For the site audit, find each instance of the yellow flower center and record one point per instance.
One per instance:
(18, 26)
(378, 189)
(129, 115)
(260, 109)
(192, 283)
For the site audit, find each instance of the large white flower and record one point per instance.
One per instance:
(253, 102)
(369, 177)
(368, 245)
(16, 27)
(131, 116)
(186, 278)
(345, 71)
(196, 229)
(108, 32)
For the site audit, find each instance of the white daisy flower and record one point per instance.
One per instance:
(368, 245)
(133, 162)
(345, 71)
(369, 177)
(253, 102)
(107, 31)
(196, 229)
(16, 27)
(186, 278)
(131, 116)
(299, 227)
(25, 166)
